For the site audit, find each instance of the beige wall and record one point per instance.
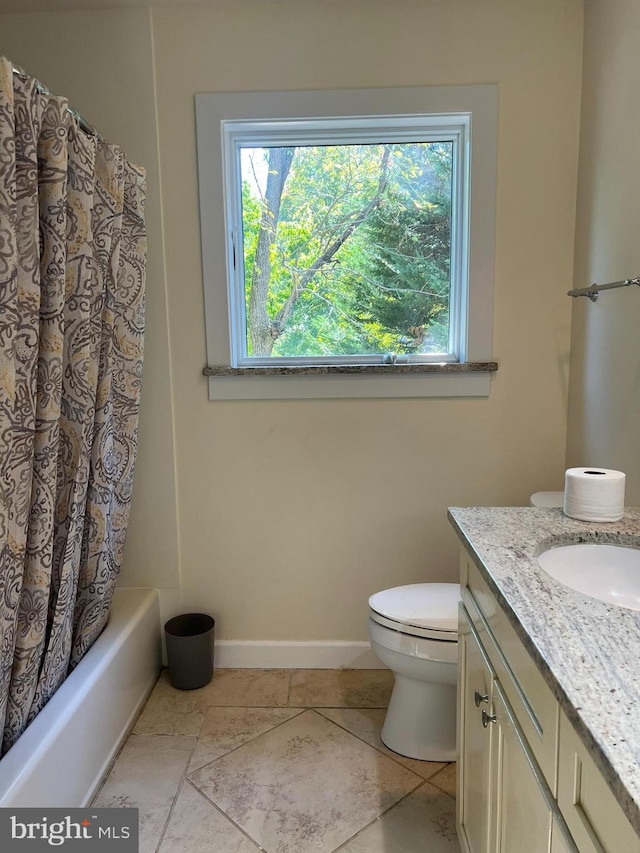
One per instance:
(604, 414)
(292, 513)
(73, 53)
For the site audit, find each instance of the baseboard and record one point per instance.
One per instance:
(254, 654)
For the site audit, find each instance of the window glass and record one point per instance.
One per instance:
(347, 249)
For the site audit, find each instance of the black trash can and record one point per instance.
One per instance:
(190, 650)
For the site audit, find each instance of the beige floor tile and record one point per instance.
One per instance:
(366, 723)
(266, 688)
(147, 776)
(171, 712)
(225, 729)
(340, 688)
(423, 821)
(198, 827)
(446, 780)
(305, 786)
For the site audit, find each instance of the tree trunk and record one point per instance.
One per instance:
(260, 327)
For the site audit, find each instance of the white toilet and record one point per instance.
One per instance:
(414, 631)
(548, 500)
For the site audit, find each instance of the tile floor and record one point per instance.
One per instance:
(284, 761)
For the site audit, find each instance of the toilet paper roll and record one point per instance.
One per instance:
(594, 494)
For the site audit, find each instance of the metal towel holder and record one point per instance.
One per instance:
(593, 291)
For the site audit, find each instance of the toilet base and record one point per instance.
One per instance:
(421, 720)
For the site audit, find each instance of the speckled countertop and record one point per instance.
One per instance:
(587, 651)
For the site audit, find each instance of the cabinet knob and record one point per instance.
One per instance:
(479, 698)
(487, 718)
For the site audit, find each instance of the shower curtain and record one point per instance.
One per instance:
(72, 272)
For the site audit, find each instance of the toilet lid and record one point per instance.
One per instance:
(549, 500)
(421, 605)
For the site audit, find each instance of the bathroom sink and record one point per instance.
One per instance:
(610, 573)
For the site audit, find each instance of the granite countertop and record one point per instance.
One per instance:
(587, 651)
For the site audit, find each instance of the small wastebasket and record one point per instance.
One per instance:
(190, 650)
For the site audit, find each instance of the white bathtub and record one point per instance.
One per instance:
(62, 757)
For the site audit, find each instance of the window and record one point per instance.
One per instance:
(349, 239)
(341, 229)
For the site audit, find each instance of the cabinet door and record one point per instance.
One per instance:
(524, 812)
(474, 763)
(594, 817)
(560, 840)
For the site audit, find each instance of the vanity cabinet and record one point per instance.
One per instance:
(504, 803)
(526, 782)
(559, 841)
(474, 766)
(594, 817)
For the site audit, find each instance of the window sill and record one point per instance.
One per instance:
(471, 379)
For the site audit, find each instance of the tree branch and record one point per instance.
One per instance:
(283, 315)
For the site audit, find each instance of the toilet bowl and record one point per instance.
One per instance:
(413, 629)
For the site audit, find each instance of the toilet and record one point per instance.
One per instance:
(547, 500)
(413, 630)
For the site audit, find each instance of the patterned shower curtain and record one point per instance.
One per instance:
(72, 272)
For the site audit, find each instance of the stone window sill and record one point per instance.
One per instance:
(355, 369)
(471, 379)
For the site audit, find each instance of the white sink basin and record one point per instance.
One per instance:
(610, 573)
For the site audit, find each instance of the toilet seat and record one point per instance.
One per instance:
(420, 610)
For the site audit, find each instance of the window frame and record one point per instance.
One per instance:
(223, 121)
(345, 130)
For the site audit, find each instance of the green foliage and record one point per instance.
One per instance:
(251, 210)
(386, 285)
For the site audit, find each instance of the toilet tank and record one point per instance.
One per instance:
(547, 499)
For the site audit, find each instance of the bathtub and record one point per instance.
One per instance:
(62, 757)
